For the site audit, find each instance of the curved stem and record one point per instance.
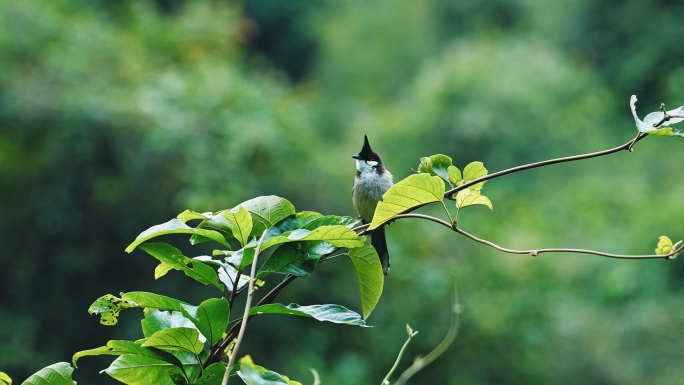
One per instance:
(250, 294)
(626, 146)
(411, 334)
(535, 252)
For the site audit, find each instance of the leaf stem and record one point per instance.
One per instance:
(447, 211)
(250, 294)
(626, 146)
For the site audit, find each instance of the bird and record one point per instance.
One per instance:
(371, 182)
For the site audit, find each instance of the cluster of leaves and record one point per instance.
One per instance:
(180, 338)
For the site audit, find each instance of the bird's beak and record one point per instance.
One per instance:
(356, 157)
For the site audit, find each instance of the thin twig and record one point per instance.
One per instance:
(233, 293)
(411, 334)
(536, 252)
(625, 146)
(250, 294)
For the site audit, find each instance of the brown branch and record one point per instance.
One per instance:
(536, 252)
(626, 146)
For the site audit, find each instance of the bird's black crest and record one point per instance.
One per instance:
(366, 152)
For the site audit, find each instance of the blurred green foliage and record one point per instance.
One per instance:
(116, 115)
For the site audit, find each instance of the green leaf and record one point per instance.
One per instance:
(241, 222)
(454, 175)
(339, 236)
(5, 379)
(175, 226)
(194, 269)
(213, 221)
(109, 307)
(210, 317)
(469, 197)
(151, 300)
(369, 275)
(425, 166)
(186, 339)
(331, 313)
(240, 258)
(136, 370)
(473, 171)
(212, 375)
(415, 191)
(299, 259)
(253, 374)
(440, 165)
(189, 215)
(647, 125)
(55, 374)
(118, 348)
(267, 209)
(331, 220)
(156, 320)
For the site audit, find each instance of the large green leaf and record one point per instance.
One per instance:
(665, 128)
(55, 374)
(186, 339)
(5, 379)
(212, 221)
(210, 317)
(118, 348)
(173, 257)
(299, 259)
(151, 300)
(157, 320)
(137, 370)
(267, 210)
(339, 236)
(331, 313)
(415, 191)
(241, 222)
(369, 275)
(212, 375)
(175, 226)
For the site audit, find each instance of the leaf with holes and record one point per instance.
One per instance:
(186, 339)
(369, 275)
(665, 128)
(55, 374)
(118, 348)
(241, 222)
(210, 317)
(194, 269)
(109, 307)
(330, 313)
(267, 209)
(175, 226)
(415, 191)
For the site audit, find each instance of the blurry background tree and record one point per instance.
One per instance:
(118, 114)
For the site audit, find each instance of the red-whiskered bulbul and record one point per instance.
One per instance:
(371, 182)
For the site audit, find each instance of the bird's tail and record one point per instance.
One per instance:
(380, 244)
